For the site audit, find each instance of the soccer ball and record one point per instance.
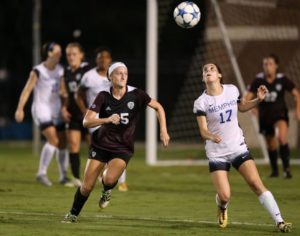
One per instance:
(187, 14)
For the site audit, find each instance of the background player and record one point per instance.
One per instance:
(45, 80)
(216, 111)
(70, 111)
(273, 112)
(91, 84)
(116, 109)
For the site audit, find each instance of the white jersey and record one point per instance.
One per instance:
(93, 83)
(46, 99)
(221, 113)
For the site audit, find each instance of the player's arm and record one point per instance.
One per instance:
(246, 105)
(91, 119)
(80, 99)
(296, 94)
(161, 116)
(31, 82)
(64, 100)
(205, 133)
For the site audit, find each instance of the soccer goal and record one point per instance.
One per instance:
(236, 35)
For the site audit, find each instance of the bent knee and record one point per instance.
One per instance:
(110, 180)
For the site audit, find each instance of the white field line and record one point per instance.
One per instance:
(165, 220)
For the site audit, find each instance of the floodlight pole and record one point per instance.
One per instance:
(151, 81)
(36, 45)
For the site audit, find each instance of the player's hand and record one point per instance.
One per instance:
(216, 139)
(262, 92)
(165, 138)
(19, 115)
(115, 119)
(66, 115)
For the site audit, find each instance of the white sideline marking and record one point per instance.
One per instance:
(167, 220)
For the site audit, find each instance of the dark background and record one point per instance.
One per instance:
(117, 24)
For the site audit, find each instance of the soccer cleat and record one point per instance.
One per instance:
(77, 183)
(66, 182)
(69, 218)
(123, 187)
(284, 227)
(105, 198)
(222, 217)
(287, 174)
(43, 179)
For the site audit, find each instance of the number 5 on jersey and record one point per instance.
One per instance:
(124, 118)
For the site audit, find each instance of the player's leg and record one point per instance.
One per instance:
(273, 153)
(122, 185)
(74, 140)
(91, 173)
(284, 151)
(114, 169)
(219, 174)
(221, 183)
(249, 172)
(48, 150)
(62, 156)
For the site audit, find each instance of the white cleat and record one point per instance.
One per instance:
(105, 198)
(43, 179)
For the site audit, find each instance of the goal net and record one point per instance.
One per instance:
(235, 34)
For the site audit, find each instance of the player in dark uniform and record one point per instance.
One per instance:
(273, 112)
(70, 111)
(113, 143)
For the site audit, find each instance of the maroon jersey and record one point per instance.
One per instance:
(72, 81)
(273, 106)
(118, 138)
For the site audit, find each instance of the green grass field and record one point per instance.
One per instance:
(161, 201)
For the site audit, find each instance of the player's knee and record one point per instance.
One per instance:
(54, 142)
(110, 180)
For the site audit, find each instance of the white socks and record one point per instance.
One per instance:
(45, 158)
(223, 206)
(269, 203)
(122, 178)
(63, 162)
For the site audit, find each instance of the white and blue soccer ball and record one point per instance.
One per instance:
(187, 14)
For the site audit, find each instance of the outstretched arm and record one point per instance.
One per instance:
(205, 133)
(19, 114)
(160, 112)
(246, 105)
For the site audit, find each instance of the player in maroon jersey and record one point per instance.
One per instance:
(273, 112)
(116, 110)
(70, 111)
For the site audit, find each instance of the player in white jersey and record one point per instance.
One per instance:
(93, 82)
(216, 111)
(45, 81)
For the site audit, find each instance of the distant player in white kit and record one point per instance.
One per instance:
(93, 82)
(45, 81)
(216, 111)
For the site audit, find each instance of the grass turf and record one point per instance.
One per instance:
(161, 201)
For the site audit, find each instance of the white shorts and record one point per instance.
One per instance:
(44, 114)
